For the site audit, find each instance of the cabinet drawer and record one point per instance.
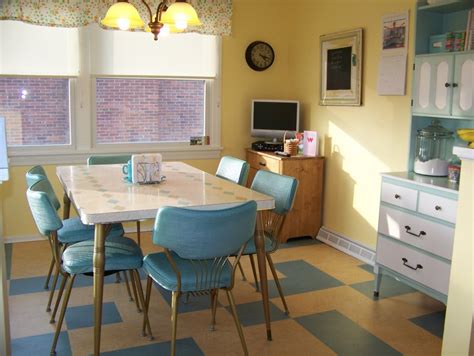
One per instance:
(413, 264)
(438, 207)
(413, 230)
(262, 162)
(399, 196)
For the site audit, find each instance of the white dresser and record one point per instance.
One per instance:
(416, 232)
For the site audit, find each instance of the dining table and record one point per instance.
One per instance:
(102, 195)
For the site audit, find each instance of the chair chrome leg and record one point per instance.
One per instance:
(241, 271)
(138, 234)
(254, 271)
(53, 287)
(142, 301)
(50, 271)
(58, 299)
(63, 312)
(149, 283)
(277, 282)
(174, 320)
(134, 289)
(214, 295)
(230, 297)
(127, 285)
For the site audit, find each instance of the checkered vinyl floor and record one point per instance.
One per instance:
(329, 295)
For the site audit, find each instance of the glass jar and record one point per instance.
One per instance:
(433, 151)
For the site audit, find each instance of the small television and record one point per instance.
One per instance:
(271, 118)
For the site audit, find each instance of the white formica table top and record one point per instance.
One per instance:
(101, 194)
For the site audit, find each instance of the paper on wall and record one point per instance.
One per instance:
(392, 75)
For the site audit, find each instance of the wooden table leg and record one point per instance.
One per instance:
(99, 264)
(262, 268)
(66, 207)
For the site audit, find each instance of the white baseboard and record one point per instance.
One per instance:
(23, 238)
(346, 245)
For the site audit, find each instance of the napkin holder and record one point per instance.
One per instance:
(146, 168)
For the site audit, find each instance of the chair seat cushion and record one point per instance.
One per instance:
(121, 253)
(158, 267)
(74, 230)
(250, 249)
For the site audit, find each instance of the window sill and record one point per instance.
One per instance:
(80, 157)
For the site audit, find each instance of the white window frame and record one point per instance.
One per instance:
(82, 125)
(27, 150)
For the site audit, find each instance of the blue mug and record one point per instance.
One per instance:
(127, 170)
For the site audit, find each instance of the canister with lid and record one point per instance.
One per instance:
(434, 146)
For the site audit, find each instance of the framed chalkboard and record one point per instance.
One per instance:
(341, 64)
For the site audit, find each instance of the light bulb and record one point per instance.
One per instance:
(180, 21)
(123, 23)
(165, 31)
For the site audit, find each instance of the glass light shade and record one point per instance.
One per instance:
(122, 15)
(181, 15)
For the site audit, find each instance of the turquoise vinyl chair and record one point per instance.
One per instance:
(121, 253)
(237, 171)
(197, 244)
(72, 230)
(233, 169)
(283, 190)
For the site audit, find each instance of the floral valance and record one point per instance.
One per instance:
(215, 15)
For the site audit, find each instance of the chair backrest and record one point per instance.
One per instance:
(44, 213)
(119, 159)
(36, 174)
(205, 234)
(233, 169)
(281, 188)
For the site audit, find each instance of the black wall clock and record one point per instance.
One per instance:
(259, 55)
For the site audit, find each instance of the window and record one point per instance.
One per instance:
(37, 110)
(146, 110)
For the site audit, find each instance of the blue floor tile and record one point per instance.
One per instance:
(389, 286)
(36, 284)
(41, 345)
(83, 316)
(300, 241)
(8, 258)
(301, 277)
(252, 313)
(433, 323)
(344, 336)
(184, 347)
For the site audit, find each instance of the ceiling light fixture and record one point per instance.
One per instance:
(177, 17)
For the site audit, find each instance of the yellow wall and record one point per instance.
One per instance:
(359, 142)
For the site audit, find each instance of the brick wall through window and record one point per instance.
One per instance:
(149, 110)
(36, 110)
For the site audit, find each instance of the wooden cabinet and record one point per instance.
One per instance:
(444, 85)
(306, 216)
(416, 232)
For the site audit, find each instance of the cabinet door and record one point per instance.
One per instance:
(463, 90)
(432, 91)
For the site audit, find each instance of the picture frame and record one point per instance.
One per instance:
(341, 68)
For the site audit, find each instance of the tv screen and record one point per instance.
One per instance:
(271, 118)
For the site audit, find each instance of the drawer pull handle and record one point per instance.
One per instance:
(262, 164)
(420, 234)
(397, 196)
(438, 208)
(405, 263)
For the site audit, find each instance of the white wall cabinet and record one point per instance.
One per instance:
(444, 85)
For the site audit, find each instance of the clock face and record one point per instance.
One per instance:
(259, 55)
